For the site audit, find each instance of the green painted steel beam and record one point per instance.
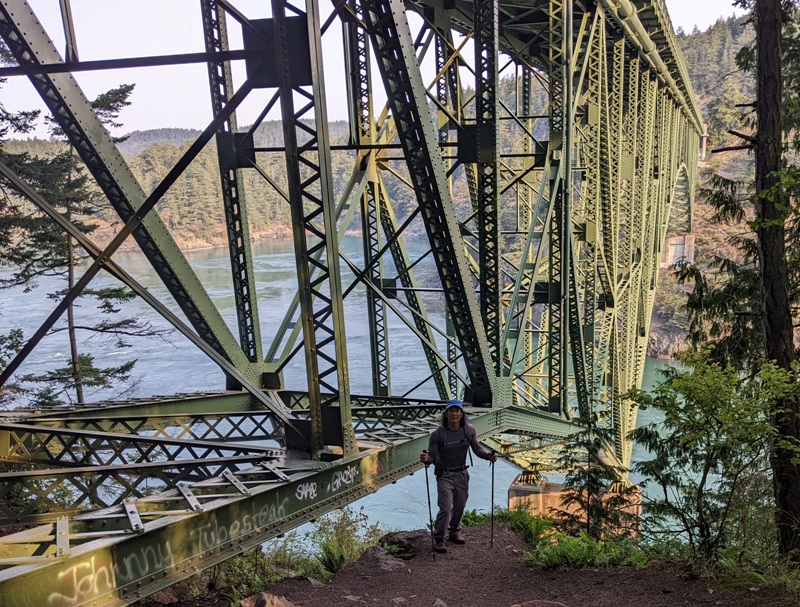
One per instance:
(199, 403)
(487, 164)
(627, 15)
(364, 131)
(311, 199)
(71, 491)
(239, 426)
(389, 31)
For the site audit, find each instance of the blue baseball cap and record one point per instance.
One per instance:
(454, 402)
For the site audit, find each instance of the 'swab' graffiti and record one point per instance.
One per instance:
(306, 491)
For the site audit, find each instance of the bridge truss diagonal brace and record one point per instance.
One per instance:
(112, 268)
(414, 302)
(624, 12)
(30, 45)
(231, 181)
(363, 130)
(390, 33)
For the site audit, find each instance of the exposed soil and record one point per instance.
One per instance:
(478, 575)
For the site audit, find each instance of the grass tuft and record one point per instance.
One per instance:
(584, 551)
(531, 529)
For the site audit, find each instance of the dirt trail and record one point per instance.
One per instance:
(478, 575)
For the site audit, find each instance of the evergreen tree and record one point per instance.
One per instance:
(596, 501)
(10, 122)
(42, 249)
(771, 211)
(752, 307)
(723, 112)
(10, 344)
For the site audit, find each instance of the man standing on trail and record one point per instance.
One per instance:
(447, 451)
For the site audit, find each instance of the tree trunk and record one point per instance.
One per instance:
(73, 340)
(774, 275)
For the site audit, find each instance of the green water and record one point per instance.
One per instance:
(166, 367)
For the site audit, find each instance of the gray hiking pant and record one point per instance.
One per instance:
(453, 490)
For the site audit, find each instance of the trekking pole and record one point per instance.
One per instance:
(430, 512)
(492, 532)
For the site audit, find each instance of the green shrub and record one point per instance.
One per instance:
(331, 556)
(775, 576)
(473, 518)
(398, 552)
(260, 567)
(584, 551)
(342, 537)
(709, 458)
(338, 538)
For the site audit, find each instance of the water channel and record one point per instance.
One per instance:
(165, 366)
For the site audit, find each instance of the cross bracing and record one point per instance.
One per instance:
(542, 149)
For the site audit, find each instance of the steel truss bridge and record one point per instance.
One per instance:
(543, 148)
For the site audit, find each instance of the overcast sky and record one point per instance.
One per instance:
(114, 28)
(702, 13)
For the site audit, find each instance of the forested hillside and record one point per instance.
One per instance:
(138, 141)
(718, 84)
(192, 209)
(719, 87)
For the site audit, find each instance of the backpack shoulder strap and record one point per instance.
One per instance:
(469, 432)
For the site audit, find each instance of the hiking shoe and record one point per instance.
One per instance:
(457, 539)
(440, 547)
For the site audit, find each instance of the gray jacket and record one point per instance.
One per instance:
(447, 449)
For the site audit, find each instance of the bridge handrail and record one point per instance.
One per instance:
(626, 14)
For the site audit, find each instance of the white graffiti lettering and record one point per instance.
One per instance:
(83, 582)
(306, 491)
(94, 578)
(344, 477)
(213, 534)
(146, 561)
(272, 512)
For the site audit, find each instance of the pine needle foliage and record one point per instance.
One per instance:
(596, 501)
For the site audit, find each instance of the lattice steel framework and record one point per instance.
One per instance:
(544, 198)
(220, 86)
(486, 161)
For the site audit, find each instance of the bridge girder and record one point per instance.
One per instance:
(545, 213)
